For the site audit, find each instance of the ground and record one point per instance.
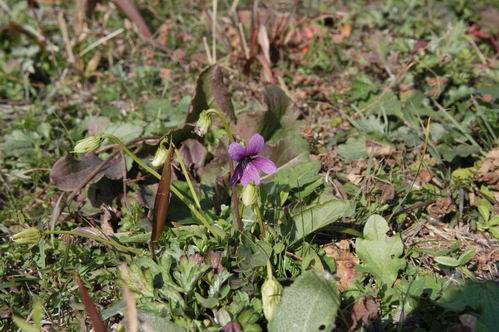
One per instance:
(382, 119)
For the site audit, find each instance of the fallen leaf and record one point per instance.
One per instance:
(365, 310)
(441, 208)
(68, 172)
(345, 263)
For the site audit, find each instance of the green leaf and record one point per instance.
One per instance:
(300, 175)
(277, 104)
(482, 297)
(211, 92)
(309, 304)
(447, 261)
(153, 322)
(316, 217)
(353, 149)
(24, 326)
(124, 131)
(466, 257)
(380, 254)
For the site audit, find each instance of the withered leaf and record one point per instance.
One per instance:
(68, 173)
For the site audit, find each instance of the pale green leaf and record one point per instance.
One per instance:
(447, 261)
(309, 304)
(380, 254)
(311, 219)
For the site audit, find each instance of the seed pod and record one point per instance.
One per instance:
(271, 294)
(28, 236)
(88, 144)
(249, 195)
(203, 124)
(160, 156)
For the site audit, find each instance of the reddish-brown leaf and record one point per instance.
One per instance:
(90, 308)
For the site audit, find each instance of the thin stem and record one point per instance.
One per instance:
(96, 238)
(214, 27)
(225, 122)
(234, 196)
(187, 178)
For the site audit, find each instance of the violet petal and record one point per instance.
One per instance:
(263, 164)
(237, 151)
(255, 145)
(238, 171)
(250, 174)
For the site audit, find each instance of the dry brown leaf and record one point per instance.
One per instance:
(387, 192)
(441, 208)
(489, 170)
(365, 310)
(345, 32)
(345, 263)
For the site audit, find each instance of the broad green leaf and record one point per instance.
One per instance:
(299, 175)
(211, 92)
(25, 326)
(277, 104)
(483, 297)
(309, 304)
(380, 254)
(124, 131)
(313, 218)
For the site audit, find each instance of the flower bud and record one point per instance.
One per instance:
(88, 144)
(27, 236)
(203, 124)
(249, 195)
(160, 156)
(271, 296)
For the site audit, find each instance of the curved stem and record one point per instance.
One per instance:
(234, 196)
(96, 238)
(215, 231)
(187, 178)
(225, 122)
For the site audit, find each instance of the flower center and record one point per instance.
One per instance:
(245, 161)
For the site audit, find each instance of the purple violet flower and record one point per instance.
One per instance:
(249, 162)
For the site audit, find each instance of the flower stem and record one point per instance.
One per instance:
(234, 196)
(187, 178)
(96, 238)
(225, 122)
(214, 230)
